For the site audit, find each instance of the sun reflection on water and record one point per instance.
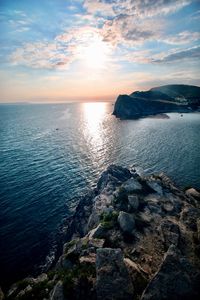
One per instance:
(94, 115)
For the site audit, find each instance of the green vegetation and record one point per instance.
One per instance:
(109, 219)
(80, 275)
(69, 245)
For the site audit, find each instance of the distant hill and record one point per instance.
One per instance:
(163, 99)
(190, 93)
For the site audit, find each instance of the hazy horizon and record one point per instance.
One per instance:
(94, 50)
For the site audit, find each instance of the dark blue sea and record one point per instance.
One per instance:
(50, 154)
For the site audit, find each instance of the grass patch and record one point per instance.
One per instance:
(80, 276)
(109, 219)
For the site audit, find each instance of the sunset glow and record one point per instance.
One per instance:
(57, 51)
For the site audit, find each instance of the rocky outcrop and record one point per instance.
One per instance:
(133, 237)
(176, 279)
(160, 100)
(126, 222)
(113, 279)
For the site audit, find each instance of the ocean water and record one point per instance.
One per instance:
(50, 154)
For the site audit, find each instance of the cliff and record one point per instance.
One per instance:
(133, 237)
(164, 99)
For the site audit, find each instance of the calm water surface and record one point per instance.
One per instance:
(52, 153)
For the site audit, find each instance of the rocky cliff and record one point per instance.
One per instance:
(164, 99)
(133, 237)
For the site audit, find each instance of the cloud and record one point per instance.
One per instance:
(42, 55)
(130, 24)
(62, 51)
(146, 57)
(126, 29)
(140, 57)
(187, 54)
(137, 8)
(184, 37)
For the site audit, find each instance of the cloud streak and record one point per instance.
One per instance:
(180, 56)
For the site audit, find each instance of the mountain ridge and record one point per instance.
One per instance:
(163, 99)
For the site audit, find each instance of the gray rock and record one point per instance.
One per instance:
(113, 280)
(133, 201)
(189, 216)
(102, 203)
(41, 278)
(99, 232)
(198, 230)
(96, 243)
(126, 222)
(132, 185)
(26, 290)
(57, 293)
(171, 233)
(89, 259)
(176, 279)
(12, 289)
(168, 206)
(138, 275)
(114, 174)
(154, 185)
(192, 192)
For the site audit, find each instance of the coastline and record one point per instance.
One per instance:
(125, 211)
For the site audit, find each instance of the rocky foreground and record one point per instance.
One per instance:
(132, 237)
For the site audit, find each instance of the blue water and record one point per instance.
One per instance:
(52, 153)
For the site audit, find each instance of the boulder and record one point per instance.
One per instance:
(89, 259)
(170, 232)
(126, 222)
(57, 293)
(138, 275)
(198, 230)
(26, 290)
(99, 232)
(194, 193)
(176, 279)
(155, 186)
(133, 201)
(41, 278)
(168, 206)
(132, 185)
(113, 280)
(189, 216)
(96, 243)
(114, 174)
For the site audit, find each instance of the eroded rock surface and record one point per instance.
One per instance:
(113, 279)
(133, 237)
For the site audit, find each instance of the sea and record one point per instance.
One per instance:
(51, 154)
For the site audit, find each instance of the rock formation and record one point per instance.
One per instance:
(132, 237)
(159, 100)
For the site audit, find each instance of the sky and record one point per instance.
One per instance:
(93, 50)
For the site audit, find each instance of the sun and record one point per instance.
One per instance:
(95, 52)
(95, 55)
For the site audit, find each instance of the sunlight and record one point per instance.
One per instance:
(93, 115)
(94, 53)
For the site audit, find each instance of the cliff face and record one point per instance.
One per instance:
(132, 237)
(165, 99)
